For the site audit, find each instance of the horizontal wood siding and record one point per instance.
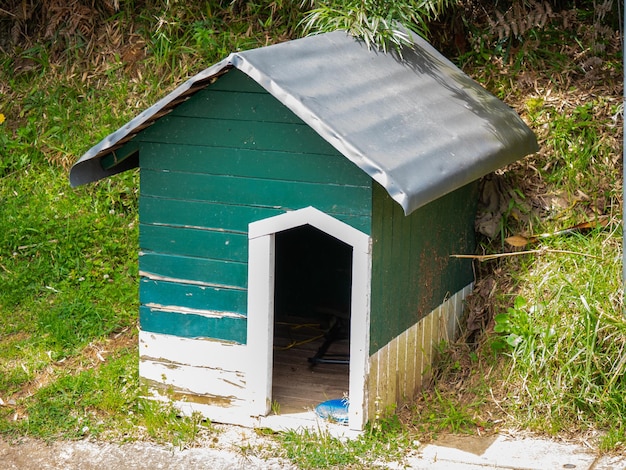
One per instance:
(249, 104)
(412, 271)
(216, 216)
(190, 296)
(217, 133)
(257, 164)
(285, 195)
(187, 241)
(188, 325)
(228, 156)
(203, 271)
(199, 214)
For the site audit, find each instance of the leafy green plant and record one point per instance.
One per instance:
(438, 411)
(514, 325)
(381, 24)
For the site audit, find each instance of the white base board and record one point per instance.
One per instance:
(210, 377)
(399, 370)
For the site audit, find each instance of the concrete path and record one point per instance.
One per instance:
(240, 449)
(505, 452)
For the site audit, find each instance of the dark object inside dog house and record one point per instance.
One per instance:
(310, 180)
(313, 282)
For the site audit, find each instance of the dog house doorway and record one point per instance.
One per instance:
(312, 297)
(275, 285)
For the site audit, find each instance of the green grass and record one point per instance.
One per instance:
(565, 338)
(551, 361)
(385, 441)
(88, 403)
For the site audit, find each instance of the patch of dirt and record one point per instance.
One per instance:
(91, 357)
(232, 448)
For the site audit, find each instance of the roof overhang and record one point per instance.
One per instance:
(416, 124)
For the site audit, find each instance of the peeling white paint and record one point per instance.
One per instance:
(403, 365)
(157, 277)
(193, 352)
(193, 311)
(194, 380)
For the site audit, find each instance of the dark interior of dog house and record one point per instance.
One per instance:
(312, 299)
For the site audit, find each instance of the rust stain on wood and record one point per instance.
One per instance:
(180, 394)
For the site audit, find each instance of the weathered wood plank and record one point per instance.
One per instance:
(236, 105)
(246, 163)
(192, 296)
(193, 242)
(381, 259)
(190, 270)
(372, 386)
(285, 195)
(399, 293)
(209, 215)
(392, 381)
(193, 352)
(427, 349)
(236, 80)
(402, 366)
(217, 383)
(216, 216)
(193, 326)
(413, 357)
(276, 136)
(382, 392)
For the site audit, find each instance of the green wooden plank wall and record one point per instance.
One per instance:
(193, 326)
(196, 297)
(181, 213)
(228, 156)
(412, 272)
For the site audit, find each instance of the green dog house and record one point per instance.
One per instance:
(312, 178)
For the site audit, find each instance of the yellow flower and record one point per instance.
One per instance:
(1, 118)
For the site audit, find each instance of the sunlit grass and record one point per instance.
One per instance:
(567, 368)
(68, 257)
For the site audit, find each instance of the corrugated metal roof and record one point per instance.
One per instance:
(417, 125)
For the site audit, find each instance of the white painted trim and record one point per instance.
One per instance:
(223, 385)
(192, 351)
(316, 218)
(307, 420)
(261, 264)
(260, 335)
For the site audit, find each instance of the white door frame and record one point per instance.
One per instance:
(261, 277)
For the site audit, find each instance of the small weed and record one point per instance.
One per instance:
(163, 423)
(76, 405)
(514, 325)
(385, 442)
(439, 412)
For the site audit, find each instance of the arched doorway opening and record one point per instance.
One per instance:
(265, 237)
(312, 304)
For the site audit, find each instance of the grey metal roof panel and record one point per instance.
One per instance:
(417, 125)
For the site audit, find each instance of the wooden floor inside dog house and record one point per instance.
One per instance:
(298, 385)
